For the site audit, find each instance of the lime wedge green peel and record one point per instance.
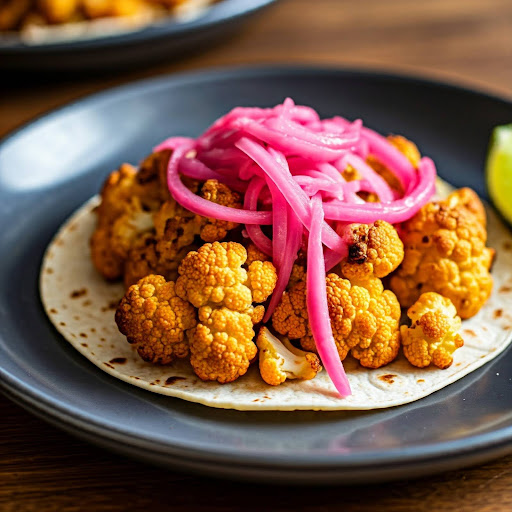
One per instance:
(499, 170)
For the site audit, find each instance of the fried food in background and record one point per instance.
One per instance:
(22, 14)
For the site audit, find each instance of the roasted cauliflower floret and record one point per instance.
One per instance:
(364, 319)
(176, 227)
(445, 252)
(280, 360)
(146, 257)
(407, 148)
(214, 281)
(434, 333)
(254, 254)
(213, 275)
(221, 345)
(375, 250)
(261, 280)
(154, 319)
(378, 328)
(214, 230)
(128, 199)
(290, 318)
(57, 11)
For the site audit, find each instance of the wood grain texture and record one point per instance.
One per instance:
(465, 41)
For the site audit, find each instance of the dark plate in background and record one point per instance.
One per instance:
(51, 166)
(163, 39)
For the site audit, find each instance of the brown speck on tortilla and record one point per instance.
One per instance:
(59, 242)
(420, 380)
(75, 294)
(118, 360)
(136, 378)
(172, 380)
(72, 228)
(110, 306)
(49, 270)
(498, 313)
(76, 317)
(505, 289)
(63, 324)
(103, 339)
(83, 335)
(389, 378)
(73, 335)
(53, 311)
(86, 303)
(507, 246)
(109, 365)
(84, 345)
(470, 332)
(93, 329)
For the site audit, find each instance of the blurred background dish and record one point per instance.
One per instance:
(84, 35)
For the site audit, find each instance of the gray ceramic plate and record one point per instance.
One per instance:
(163, 39)
(51, 166)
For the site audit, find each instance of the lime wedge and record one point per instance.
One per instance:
(498, 170)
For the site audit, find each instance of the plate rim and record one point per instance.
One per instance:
(64, 415)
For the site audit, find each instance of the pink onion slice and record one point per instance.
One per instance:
(318, 309)
(260, 240)
(201, 206)
(276, 168)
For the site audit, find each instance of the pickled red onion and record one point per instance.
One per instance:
(288, 163)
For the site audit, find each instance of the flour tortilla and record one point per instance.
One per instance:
(81, 305)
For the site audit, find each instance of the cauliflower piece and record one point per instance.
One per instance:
(106, 8)
(214, 230)
(364, 319)
(407, 148)
(154, 319)
(214, 281)
(280, 360)
(298, 274)
(128, 199)
(12, 12)
(57, 11)
(213, 275)
(146, 257)
(176, 227)
(290, 318)
(434, 334)
(378, 329)
(445, 252)
(261, 280)
(375, 250)
(221, 346)
(254, 254)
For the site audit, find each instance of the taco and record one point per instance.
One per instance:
(265, 265)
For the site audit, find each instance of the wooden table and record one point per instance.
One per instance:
(467, 41)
